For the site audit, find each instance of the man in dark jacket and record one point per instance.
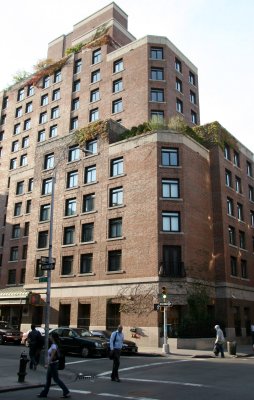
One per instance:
(35, 345)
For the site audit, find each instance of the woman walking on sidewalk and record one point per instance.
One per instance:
(52, 371)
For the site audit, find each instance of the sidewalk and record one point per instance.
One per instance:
(33, 379)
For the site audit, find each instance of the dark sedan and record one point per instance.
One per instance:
(8, 334)
(80, 341)
(129, 347)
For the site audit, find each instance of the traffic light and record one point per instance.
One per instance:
(164, 292)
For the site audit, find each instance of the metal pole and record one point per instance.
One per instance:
(47, 310)
(165, 344)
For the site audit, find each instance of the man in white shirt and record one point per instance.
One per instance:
(116, 344)
(219, 340)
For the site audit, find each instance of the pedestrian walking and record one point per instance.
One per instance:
(34, 339)
(116, 344)
(52, 370)
(219, 341)
(252, 335)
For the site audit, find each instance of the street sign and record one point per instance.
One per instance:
(45, 260)
(47, 266)
(43, 279)
(166, 304)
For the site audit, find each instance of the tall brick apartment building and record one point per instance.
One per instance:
(131, 215)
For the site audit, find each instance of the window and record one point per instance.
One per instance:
(118, 65)
(56, 95)
(157, 116)
(22, 276)
(86, 263)
(251, 193)
(228, 177)
(94, 95)
(172, 262)
(178, 65)
(227, 154)
(14, 253)
(16, 231)
(157, 95)
(13, 163)
(21, 94)
(25, 142)
(239, 211)
(170, 221)
(69, 233)
(242, 241)
(233, 265)
(47, 186)
(28, 206)
(53, 131)
(96, 56)
(18, 112)
(73, 153)
(193, 99)
(95, 76)
(67, 265)
(27, 124)
(5, 102)
(231, 235)
(55, 112)
(75, 104)
(49, 161)
(94, 115)
(238, 184)
(170, 188)
(11, 276)
(88, 202)
(230, 206)
(43, 118)
(44, 100)
(17, 129)
(236, 159)
(30, 184)
(157, 74)
(15, 146)
(74, 123)
(30, 90)
(179, 85)
(1, 136)
(23, 160)
(42, 136)
(114, 260)
(26, 228)
(169, 157)
(116, 167)
(117, 106)
(156, 53)
(20, 187)
(116, 197)
(46, 82)
(194, 117)
(57, 76)
(24, 252)
(192, 79)
(117, 86)
(45, 212)
(29, 107)
(77, 66)
(244, 270)
(179, 106)
(91, 146)
(90, 174)
(70, 207)
(42, 239)
(72, 179)
(249, 169)
(115, 228)
(17, 209)
(87, 232)
(76, 86)
(252, 218)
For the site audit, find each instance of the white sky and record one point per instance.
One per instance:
(216, 35)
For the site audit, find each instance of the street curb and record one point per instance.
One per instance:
(16, 388)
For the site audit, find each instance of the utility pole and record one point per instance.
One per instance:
(165, 305)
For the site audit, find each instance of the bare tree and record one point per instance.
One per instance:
(137, 299)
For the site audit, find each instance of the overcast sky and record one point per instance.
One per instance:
(216, 35)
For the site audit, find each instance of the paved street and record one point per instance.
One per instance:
(143, 378)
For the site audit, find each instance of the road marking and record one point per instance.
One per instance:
(76, 362)
(74, 391)
(167, 382)
(124, 397)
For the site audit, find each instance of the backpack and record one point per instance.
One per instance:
(60, 358)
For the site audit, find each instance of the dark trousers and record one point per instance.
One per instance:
(221, 349)
(33, 356)
(116, 363)
(52, 372)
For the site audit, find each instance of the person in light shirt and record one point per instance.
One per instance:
(116, 344)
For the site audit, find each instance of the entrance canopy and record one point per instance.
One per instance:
(13, 295)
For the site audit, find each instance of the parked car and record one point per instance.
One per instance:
(81, 341)
(25, 335)
(129, 347)
(9, 334)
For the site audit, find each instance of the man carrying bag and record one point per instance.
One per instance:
(116, 344)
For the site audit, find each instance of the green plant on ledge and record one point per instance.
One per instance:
(91, 131)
